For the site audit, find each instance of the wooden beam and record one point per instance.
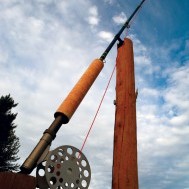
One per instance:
(9, 180)
(125, 169)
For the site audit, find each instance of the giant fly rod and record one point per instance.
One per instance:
(70, 104)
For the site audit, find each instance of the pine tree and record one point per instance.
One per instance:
(9, 142)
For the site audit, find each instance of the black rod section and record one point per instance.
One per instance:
(117, 36)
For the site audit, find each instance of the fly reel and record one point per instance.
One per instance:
(66, 167)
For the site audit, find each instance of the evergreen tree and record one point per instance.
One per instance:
(9, 142)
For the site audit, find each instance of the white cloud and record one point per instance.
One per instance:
(120, 19)
(93, 11)
(177, 94)
(105, 35)
(3, 56)
(179, 120)
(93, 18)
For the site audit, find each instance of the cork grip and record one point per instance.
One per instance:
(76, 95)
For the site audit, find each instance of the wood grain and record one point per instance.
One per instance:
(9, 180)
(125, 169)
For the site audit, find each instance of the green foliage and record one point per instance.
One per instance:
(9, 142)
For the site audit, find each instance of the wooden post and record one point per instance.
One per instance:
(10, 180)
(125, 169)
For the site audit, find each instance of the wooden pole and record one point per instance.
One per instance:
(125, 169)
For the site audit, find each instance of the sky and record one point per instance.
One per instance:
(46, 45)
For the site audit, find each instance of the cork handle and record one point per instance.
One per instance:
(76, 95)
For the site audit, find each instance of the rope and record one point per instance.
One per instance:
(98, 109)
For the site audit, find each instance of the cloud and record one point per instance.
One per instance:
(105, 35)
(93, 18)
(162, 115)
(120, 19)
(3, 56)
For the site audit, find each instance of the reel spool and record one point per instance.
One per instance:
(66, 167)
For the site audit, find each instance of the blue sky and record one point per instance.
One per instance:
(46, 45)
